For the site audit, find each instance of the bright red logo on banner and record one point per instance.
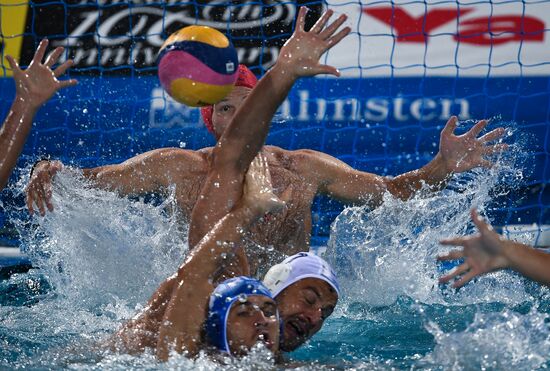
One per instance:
(493, 30)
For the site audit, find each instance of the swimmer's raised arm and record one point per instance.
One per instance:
(33, 87)
(185, 314)
(456, 154)
(245, 135)
(487, 251)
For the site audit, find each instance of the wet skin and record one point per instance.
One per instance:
(252, 321)
(303, 308)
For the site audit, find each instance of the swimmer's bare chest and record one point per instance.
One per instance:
(287, 232)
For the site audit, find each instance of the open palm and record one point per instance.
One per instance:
(301, 53)
(39, 82)
(464, 152)
(482, 253)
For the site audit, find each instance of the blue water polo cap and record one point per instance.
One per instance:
(220, 303)
(296, 268)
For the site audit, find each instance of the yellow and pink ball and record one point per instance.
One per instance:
(197, 66)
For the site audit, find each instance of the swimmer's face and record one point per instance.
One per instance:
(251, 322)
(226, 109)
(303, 307)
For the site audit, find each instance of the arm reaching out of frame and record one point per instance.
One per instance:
(33, 87)
(487, 251)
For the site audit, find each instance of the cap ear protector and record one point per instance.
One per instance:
(221, 300)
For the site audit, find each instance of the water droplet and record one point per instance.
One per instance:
(242, 298)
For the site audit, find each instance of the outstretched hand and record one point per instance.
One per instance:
(38, 83)
(464, 152)
(258, 190)
(482, 253)
(39, 189)
(300, 54)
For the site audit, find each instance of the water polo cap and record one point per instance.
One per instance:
(245, 78)
(220, 303)
(296, 268)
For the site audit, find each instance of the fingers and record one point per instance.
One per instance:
(452, 255)
(321, 22)
(301, 20)
(493, 135)
(54, 56)
(331, 29)
(35, 196)
(324, 69)
(450, 126)
(14, 65)
(40, 51)
(477, 128)
(29, 201)
(338, 37)
(457, 241)
(497, 148)
(66, 83)
(454, 273)
(60, 70)
(481, 224)
(39, 190)
(464, 279)
(48, 196)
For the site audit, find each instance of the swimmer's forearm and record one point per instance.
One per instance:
(246, 134)
(528, 261)
(182, 323)
(433, 175)
(13, 136)
(221, 245)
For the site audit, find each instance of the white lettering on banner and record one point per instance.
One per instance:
(166, 113)
(433, 38)
(374, 109)
(149, 24)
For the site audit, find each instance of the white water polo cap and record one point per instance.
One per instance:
(296, 268)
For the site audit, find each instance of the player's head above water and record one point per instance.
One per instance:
(217, 117)
(241, 313)
(306, 290)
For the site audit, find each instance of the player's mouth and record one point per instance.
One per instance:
(297, 328)
(265, 339)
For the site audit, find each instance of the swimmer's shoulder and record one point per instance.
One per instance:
(177, 158)
(294, 160)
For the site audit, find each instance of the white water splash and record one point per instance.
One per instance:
(391, 251)
(497, 341)
(97, 247)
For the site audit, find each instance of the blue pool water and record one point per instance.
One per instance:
(99, 258)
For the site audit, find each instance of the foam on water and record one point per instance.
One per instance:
(502, 340)
(96, 247)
